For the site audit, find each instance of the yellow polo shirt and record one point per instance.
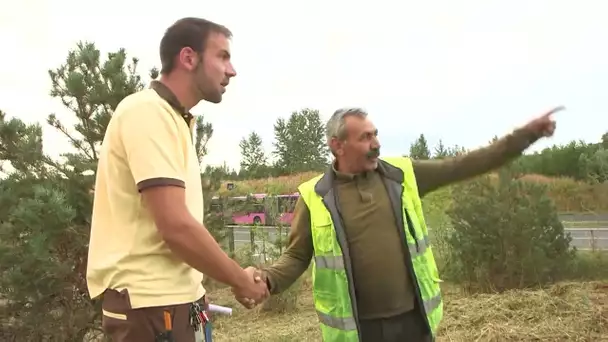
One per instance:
(147, 143)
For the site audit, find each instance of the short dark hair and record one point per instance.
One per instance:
(186, 32)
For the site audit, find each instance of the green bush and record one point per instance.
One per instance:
(588, 266)
(42, 261)
(45, 203)
(595, 166)
(506, 234)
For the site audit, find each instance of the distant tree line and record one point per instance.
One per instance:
(299, 146)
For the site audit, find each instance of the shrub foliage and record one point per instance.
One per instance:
(506, 234)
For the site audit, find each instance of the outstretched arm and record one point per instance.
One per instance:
(433, 174)
(296, 258)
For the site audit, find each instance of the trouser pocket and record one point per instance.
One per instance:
(122, 323)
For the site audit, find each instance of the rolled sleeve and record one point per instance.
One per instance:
(153, 147)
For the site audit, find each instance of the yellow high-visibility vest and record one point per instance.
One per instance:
(333, 288)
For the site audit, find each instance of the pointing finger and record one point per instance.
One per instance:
(554, 110)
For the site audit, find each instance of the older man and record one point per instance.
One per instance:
(375, 278)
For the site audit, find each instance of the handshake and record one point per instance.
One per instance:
(253, 289)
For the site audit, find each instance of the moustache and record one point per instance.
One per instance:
(373, 153)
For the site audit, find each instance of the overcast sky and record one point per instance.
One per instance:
(462, 71)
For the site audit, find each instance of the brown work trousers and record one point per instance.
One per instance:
(407, 327)
(124, 324)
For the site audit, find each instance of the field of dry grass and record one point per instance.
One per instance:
(564, 312)
(568, 195)
(575, 311)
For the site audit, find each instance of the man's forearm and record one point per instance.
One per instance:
(193, 243)
(280, 276)
(433, 174)
(296, 258)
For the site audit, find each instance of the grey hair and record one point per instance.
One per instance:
(335, 124)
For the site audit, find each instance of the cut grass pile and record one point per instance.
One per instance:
(563, 312)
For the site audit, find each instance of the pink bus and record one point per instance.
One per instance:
(257, 213)
(287, 204)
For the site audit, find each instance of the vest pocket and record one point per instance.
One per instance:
(323, 234)
(322, 244)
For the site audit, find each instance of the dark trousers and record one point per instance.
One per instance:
(407, 327)
(124, 324)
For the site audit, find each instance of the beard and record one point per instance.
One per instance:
(205, 88)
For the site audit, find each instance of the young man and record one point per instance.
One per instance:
(148, 246)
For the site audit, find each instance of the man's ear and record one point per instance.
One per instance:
(188, 58)
(335, 145)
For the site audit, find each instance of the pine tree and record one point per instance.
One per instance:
(46, 203)
(253, 158)
(440, 151)
(420, 149)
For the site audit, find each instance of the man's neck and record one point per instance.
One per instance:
(181, 90)
(343, 168)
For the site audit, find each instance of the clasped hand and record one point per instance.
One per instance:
(253, 291)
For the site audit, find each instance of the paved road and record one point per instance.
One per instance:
(242, 236)
(582, 238)
(589, 238)
(580, 218)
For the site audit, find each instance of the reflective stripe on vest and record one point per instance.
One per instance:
(337, 263)
(332, 293)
